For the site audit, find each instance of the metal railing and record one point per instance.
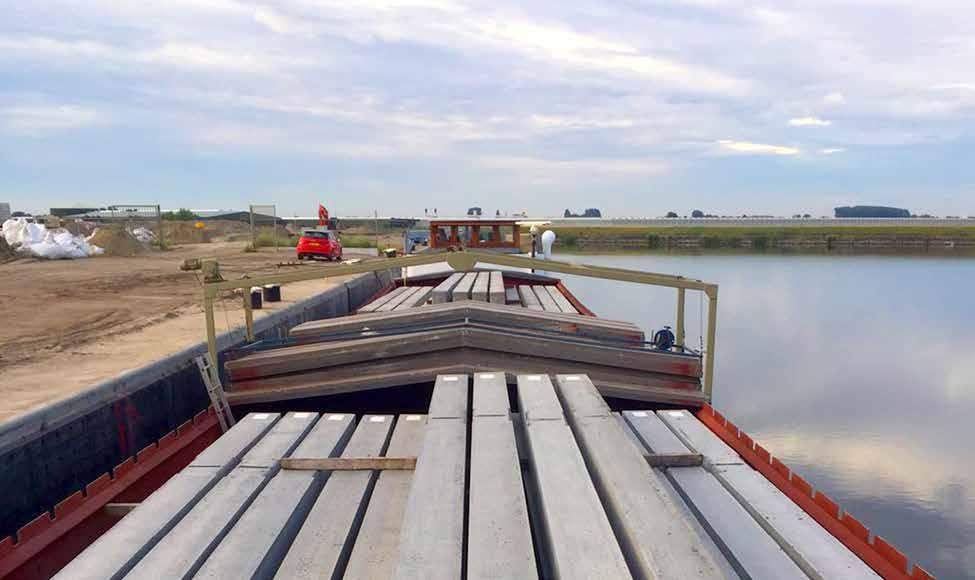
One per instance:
(465, 260)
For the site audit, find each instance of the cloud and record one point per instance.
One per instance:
(747, 148)
(809, 122)
(832, 150)
(835, 99)
(41, 121)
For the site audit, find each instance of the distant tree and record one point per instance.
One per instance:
(588, 213)
(497, 213)
(806, 216)
(697, 214)
(181, 215)
(671, 214)
(871, 211)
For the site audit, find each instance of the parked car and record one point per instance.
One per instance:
(319, 244)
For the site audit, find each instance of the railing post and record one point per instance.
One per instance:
(211, 325)
(680, 317)
(709, 355)
(248, 315)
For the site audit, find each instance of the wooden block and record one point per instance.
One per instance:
(479, 291)
(529, 298)
(116, 551)
(462, 291)
(581, 539)
(545, 299)
(257, 542)
(654, 536)
(443, 290)
(432, 534)
(496, 294)
(377, 543)
(674, 459)
(348, 463)
(322, 544)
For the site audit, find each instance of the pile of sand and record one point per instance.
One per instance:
(116, 241)
(186, 233)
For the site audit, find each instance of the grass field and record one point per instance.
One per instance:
(757, 236)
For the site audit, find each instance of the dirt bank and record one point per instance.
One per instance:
(69, 324)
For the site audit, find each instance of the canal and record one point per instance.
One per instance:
(857, 371)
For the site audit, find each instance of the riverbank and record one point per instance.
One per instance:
(822, 238)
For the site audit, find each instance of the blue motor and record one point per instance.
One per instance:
(664, 339)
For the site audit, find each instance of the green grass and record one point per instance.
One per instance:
(265, 239)
(358, 241)
(656, 234)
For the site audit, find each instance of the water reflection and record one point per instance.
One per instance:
(857, 370)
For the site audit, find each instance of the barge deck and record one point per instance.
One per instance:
(550, 483)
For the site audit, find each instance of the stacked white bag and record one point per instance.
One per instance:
(36, 240)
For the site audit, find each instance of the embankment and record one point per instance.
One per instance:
(53, 452)
(823, 238)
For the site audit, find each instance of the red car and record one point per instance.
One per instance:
(319, 244)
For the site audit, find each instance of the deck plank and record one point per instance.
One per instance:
(500, 540)
(581, 539)
(323, 544)
(812, 548)
(560, 299)
(746, 545)
(408, 292)
(479, 291)
(257, 542)
(190, 542)
(377, 544)
(419, 298)
(496, 294)
(116, 551)
(545, 299)
(432, 534)
(477, 311)
(443, 290)
(379, 302)
(529, 298)
(655, 538)
(462, 291)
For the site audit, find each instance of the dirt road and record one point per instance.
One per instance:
(69, 324)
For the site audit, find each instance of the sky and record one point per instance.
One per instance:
(633, 107)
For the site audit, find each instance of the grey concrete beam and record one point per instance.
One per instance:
(322, 546)
(377, 544)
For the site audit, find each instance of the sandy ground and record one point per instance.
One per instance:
(70, 324)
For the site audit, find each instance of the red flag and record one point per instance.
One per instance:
(322, 215)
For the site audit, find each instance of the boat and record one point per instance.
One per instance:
(474, 421)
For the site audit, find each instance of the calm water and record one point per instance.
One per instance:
(857, 371)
